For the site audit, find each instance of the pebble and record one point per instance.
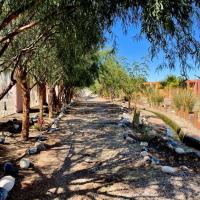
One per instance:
(40, 146)
(32, 150)
(42, 138)
(126, 122)
(179, 150)
(185, 168)
(60, 115)
(155, 161)
(2, 140)
(8, 167)
(129, 139)
(168, 169)
(144, 153)
(24, 163)
(3, 194)
(145, 144)
(51, 130)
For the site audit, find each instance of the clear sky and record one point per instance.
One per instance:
(134, 50)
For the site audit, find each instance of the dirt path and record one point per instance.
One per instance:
(89, 159)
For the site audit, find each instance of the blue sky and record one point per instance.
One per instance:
(127, 46)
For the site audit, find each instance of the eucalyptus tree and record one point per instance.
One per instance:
(166, 24)
(133, 83)
(111, 74)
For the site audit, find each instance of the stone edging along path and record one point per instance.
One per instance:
(187, 135)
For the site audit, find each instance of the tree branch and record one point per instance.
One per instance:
(18, 30)
(15, 14)
(9, 87)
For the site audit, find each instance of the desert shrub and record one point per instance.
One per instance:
(153, 96)
(184, 99)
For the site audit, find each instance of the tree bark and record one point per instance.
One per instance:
(21, 77)
(41, 99)
(51, 101)
(129, 103)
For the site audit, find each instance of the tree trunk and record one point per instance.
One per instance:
(71, 94)
(41, 99)
(129, 103)
(21, 77)
(60, 96)
(51, 101)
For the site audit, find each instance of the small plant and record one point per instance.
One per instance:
(40, 124)
(153, 97)
(177, 100)
(184, 99)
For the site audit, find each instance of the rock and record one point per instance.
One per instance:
(144, 121)
(129, 139)
(172, 142)
(32, 150)
(42, 138)
(145, 149)
(185, 168)
(144, 153)
(8, 134)
(54, 125)
(56, 121)
(144, 144)
(125, 116)
(120, 124)
(8, 168)
(126, 122)
(165, 138)
(179, 150)
(146, 158)
(40, 146)
(168, 169)
(169, 132)
(51, 130)
(155, 161)
(16, 126)
(170, 146)
(2, 140)
(7, 183)
(3, 194)
(24, 163)
(60, 115)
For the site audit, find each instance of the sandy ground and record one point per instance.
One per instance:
(89, 159)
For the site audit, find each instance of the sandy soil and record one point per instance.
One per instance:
(89, 159)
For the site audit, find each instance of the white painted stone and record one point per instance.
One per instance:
(146, 158)
(179, 150)
(168, 169)
(144, 153)
(7, 182)
(144, 144)
(24, 163)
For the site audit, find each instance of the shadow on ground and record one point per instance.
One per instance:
(92, 161)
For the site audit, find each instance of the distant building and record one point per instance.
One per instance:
(12, 102)
(194, 85)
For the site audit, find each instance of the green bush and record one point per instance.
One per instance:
(153, 96)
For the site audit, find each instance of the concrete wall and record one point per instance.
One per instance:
(13, 100)
(34, 97)
(9, 101)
